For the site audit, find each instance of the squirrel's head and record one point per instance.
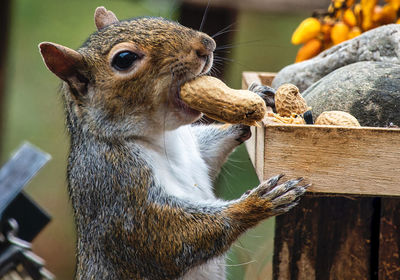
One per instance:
(125, 79)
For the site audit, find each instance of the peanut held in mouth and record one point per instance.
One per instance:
(212, 97)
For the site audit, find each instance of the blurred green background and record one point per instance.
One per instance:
(33, 112)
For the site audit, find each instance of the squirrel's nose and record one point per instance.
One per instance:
(205, 47)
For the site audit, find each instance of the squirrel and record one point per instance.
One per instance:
(139, 172)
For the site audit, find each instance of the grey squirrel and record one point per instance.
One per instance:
(139, 173)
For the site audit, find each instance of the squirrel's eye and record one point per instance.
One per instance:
(124, 60)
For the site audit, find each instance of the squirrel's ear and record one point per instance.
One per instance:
(66, 63)
(103, 18)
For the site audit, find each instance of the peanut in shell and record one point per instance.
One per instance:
(288, 100)
(212, 97)
(337, 118)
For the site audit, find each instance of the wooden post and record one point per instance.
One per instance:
(327, 238)
(389, 239)
(5, 11)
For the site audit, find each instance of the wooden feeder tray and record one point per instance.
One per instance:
(348, 226)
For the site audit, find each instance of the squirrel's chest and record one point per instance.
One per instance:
(179, 168)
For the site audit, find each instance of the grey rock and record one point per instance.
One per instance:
(370, 91)
(379, 44)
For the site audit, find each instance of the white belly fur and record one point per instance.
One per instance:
(180, 170)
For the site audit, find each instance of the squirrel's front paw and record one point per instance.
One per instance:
(265, 92)
(274, 199)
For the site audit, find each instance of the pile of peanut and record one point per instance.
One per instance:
(290, 107)
(212, 97)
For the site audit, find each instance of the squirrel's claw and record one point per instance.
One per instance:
(280, 198)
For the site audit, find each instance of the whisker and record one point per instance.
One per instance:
(219, 62)
(215, 71)
(203, 20)
(231, 46)
(223, 51)
(174, 8)
(223, 30)
(241, 264)
(231, 60)
(227, 31)
(218, 58)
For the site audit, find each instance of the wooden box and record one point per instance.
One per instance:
(348, 225)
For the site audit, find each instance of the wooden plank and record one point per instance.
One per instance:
(251, 144)
(255, 145)
(247, 79)
(259, 157)
(341, 160)
(389, 240)
(266, 78)
(325, 238)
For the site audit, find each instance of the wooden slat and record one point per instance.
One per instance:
(266, 78)
(250, 77)
(251, 144)
(389, 240)
(341, 160)
(325, 238)
(255, 145)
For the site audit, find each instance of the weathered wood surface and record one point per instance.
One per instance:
(389, 239)
(326, 238)
(267, 6)
(255, 145)
(361, 161)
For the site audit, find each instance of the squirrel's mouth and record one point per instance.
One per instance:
(179, 105)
